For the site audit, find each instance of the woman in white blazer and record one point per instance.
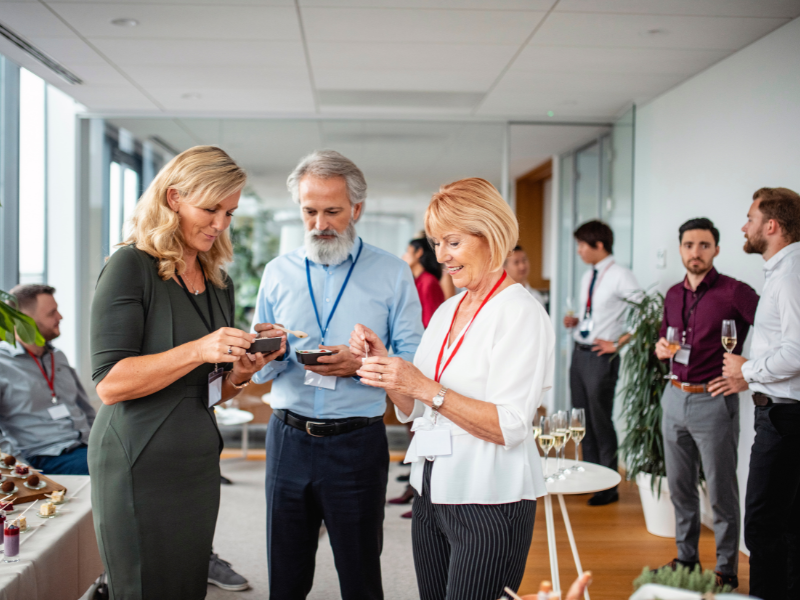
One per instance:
(478, 376)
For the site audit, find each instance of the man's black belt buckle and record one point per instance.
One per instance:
(309, 424)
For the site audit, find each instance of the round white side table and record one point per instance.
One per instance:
(234, 416)
(594, 478)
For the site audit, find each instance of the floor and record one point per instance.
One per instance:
(612, 541)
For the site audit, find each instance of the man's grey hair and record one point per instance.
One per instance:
(326, 164)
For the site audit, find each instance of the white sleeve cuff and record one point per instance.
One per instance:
(418, 411)
(748, 371)
(513, 426)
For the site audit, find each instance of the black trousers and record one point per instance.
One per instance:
(593, 380)
(339, 479)
(469, 551)
(772, 504)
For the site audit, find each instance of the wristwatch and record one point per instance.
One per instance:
(438, 399)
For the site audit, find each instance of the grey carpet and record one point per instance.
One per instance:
(241, 539)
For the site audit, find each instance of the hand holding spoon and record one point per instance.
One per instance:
(299, 334)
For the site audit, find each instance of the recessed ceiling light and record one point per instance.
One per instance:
(191, 96)
(550, 113)
(124, 22)
(655, 32)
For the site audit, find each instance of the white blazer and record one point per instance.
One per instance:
(508, 359)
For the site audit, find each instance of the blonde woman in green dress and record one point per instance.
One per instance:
(163, 349)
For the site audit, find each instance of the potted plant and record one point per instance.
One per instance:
(12, 321)
(681, 578)
(642, 450)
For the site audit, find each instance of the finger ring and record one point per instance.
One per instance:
(380, 376)
(230, 350)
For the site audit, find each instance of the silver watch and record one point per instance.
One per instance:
(438, 399)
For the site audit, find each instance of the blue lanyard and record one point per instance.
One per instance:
(339, 297)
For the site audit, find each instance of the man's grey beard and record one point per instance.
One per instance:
(330, 252)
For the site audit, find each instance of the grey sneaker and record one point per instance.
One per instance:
(221, 575)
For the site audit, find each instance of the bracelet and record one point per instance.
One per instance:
(242, 385)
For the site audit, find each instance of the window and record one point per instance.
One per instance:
(32, 179)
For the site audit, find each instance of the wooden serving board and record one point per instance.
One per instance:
(24, 494)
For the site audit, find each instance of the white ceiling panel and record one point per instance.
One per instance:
(158, 21)
(708, 8)
(405, 79)
(630, 31)
(542, 5)
(372, 56)
(103, 75)
(431, 26)
(167, 129)
(68, 50)
(535, 105)
(191, 77)
(182, 2)
(587, 85)
(181, 53)
(234, 100)
(113, 98)
(550, 59)
(31, 19)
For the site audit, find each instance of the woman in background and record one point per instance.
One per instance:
(427, 272)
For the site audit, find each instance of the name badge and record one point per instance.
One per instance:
(586, 327)
(59, 411)
(215, 386)
(327, 382)
(682, 355)
(434, 442)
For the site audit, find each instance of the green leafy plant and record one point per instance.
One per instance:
(643, 447)
(683, 578)
(13, 321)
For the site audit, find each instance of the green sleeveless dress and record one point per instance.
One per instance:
(153, 461)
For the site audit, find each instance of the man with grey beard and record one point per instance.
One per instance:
(327, 453)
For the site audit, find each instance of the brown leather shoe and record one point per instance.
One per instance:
(723, 580)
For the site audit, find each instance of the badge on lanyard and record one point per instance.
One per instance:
(57, 412)
(586, 326)
(434, 442)
(215, 385)
(51, 381)
(682, 355)
(327, 382)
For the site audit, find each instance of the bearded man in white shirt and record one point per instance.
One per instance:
(772, 503)
(599, 333)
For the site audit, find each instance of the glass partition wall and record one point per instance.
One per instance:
(596, 182)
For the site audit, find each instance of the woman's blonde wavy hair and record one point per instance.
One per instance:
(203, 176)
(474, 206)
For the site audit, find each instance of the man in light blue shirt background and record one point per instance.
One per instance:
(327, 453)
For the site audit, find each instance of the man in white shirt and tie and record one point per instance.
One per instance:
(772, 503)
(599, 333)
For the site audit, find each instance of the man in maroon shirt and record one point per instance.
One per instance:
(696, 425)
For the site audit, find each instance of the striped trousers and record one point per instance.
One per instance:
(469, 551)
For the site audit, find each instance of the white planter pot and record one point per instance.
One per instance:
(659, 514)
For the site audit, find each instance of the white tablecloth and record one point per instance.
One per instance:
(59, 558)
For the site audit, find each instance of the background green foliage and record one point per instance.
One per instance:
(643, 447)
(12, 320)
(255, 243)
(682, 578)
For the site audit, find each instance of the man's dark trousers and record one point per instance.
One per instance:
(593, 380)
(772, 504)
(340, 480)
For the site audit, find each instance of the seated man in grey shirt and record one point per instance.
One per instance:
(45, 415)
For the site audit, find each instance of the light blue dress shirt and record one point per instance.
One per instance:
(380, 294)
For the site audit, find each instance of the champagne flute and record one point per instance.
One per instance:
(537, 428)
(546, 442)
(729, 334)
(674, 344)
(564, 427)
(558, 426)
(570, 312)
(577, 428)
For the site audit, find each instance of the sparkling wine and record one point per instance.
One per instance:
(566, 432)
(577, 433)
(546, 442)
(729, 343)
(673, 347)
(559, 437)
(537, 430)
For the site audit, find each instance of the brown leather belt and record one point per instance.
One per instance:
(690, 388)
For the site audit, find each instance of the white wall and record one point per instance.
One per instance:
(702, 149)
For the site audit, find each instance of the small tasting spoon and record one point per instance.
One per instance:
(299, 334)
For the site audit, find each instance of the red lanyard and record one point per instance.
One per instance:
(438, 376)
(594, 289)
(51, 380)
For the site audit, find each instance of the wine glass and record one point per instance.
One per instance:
(674, 344)
(546, 442)
(558, 426)
(563, 427)
(570, 312)
(537, 428)
(729, 334)
(577, 429)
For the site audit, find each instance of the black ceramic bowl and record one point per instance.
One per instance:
(310, 357)
(265, 345)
